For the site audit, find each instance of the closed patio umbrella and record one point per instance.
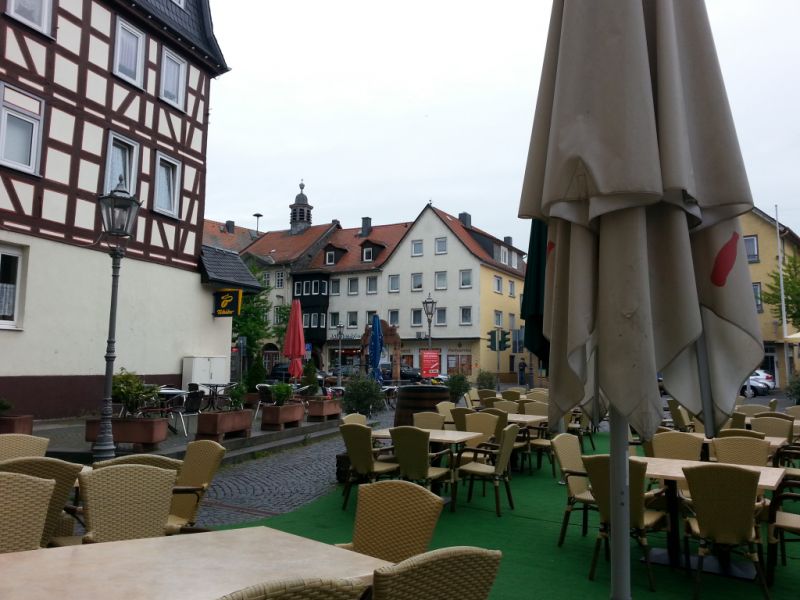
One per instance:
(375, 349)
(294, 343)
(635, 165)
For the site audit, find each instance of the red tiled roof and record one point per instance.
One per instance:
(215, 234)
(284, 247)
(463, 234)
(349, 239)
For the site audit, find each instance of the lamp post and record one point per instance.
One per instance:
(118, 210)
(340, 332)
(429, 305)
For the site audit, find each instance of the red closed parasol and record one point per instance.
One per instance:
(294, 343)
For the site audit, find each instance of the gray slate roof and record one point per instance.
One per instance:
(227, 268)
(193, 23)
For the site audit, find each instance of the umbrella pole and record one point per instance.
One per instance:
(706, 401)
(620, 512)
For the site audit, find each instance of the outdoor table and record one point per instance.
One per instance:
(527, 420)
(214, 392)
(203, 566)
(440, 436)
(671, 471)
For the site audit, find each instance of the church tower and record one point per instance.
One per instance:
(300, 219)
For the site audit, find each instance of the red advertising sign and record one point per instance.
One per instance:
(429, 359)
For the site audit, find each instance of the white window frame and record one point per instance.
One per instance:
(350, 285)
(498, 284)
(17, 253)
(354, 322)
(315, 287)
(44, 26)
(133, 162)
(512, 288)
(315, 320)
(504, 255)
(440, 241)
(416, 312)
(336, 287)
(514, 260)
(306, 288)
(180, 102)
(751, 258)
(279, 280)
(366, 254)
(461, 275)
(298, 288)
(330, 257)
(322, 319)
(414, 251)
(333, 319)
(323, 287)
(176, 185)
(372, 281)
(437, 284)
(461, 320)
(418, 289)
(498, 318)
(305, 320)
(138, 80)
(394, 289)
(35, 119)
(440, 316)
(396, 312)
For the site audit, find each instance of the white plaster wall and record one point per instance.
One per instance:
(164, 314)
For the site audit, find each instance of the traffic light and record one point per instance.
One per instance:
(492, 340)
(504, 343)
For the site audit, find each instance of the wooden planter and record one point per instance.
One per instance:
(251, 399)
(279, 417)
(322, 409)
(17, 424)
(218, 426)
(146, 433)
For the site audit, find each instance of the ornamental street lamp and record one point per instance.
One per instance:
(118, 210)
(340, 332)
(429, 305)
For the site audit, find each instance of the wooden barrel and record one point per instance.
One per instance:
(417, 398)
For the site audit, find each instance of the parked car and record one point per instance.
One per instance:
(410, 374)
(764, 377)
(757, 388)
(280, 372)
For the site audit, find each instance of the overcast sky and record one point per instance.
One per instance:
(382, 106)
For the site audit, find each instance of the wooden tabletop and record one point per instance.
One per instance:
(672, 468)
(443, 436)
(527, 420)
(197, 566)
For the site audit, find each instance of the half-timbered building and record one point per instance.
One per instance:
(97, 92)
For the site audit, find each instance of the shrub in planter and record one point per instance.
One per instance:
(362, 395)
(255, 375)
(128, 389)
(485, 380)
(458, 386)
(309, 380)
(237, 394)
(281, 393)
(14, 423)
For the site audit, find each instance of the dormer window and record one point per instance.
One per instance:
(366, 255)
(504, 255)
(330, 257)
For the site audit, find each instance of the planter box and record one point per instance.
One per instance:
(279, 417)
(251, 399)
(17, 424)
(146, 433)
(218, 426)
(322, 409)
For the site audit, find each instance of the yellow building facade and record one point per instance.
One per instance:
(761, 243)
(500, 297)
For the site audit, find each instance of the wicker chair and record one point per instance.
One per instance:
(355, 418)
(363, 465)
(484, 423)
(124, 502)
(679, 445)
(395, 520)
(568, 454)
(443, 408)
(741, 450)
(456, 573)
(774, 427)
(794, 411)
(510, 395)
(502, 419)
(200, 464)
(484, 393)
(509, 406)
(732, 432)
(680, 416)
(428, 420)
(459, 417)
(151, 460)
(642, 520)
(20, 445)
(781, 523)
(411, 449)
(539, 395)
(751, 410)
(777, 415)
(63, 474)
(24, 505)
(723, 497)
(495, 470)
(535, 407)
(301, 589)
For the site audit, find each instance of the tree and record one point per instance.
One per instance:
(252, 322)
(791, 291)
(281, 321)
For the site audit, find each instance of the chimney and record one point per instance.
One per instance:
(366, 226)
(507, 240)
(229, 226)
(465, 218)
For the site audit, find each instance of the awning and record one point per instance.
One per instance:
(226, 268)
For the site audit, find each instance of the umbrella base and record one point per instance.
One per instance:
(711, 564)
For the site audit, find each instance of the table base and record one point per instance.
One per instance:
(742, 569)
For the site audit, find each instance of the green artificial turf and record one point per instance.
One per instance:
(533, 566)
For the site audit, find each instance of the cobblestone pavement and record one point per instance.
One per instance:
(278, 483)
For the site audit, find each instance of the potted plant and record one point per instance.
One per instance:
(282, 413)
(14, 423)
(362, 395)
(144, 428)
(458, 386)
(232, 422)
(256, 375)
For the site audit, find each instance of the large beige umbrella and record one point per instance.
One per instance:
(635, 165)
